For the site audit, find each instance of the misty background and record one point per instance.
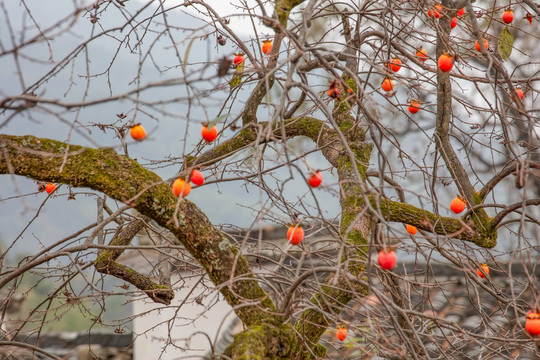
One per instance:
(123, 60)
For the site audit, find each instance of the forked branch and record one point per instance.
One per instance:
(106, 264)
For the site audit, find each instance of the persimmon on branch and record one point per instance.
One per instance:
(338, 135)
(124, 179)
(443, 120)
(328, 142)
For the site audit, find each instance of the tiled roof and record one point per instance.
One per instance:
(452, 312)
(453, 317)
(71, 346)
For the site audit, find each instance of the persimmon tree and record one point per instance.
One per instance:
(331, 76)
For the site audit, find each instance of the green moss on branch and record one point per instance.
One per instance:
(313, 322)
(124, 179)
(452, 227)
(265, 341)
(283, 9)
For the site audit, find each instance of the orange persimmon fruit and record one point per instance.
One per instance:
(180, 186)
(295, 234)
(137, 132)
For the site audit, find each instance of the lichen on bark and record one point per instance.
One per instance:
(124, 179)
(265, 341)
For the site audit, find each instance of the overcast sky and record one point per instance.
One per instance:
(230, 202)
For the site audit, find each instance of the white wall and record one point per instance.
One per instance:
(184, 329)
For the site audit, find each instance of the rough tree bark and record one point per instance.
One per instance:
(268, 331)
(124, 179)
